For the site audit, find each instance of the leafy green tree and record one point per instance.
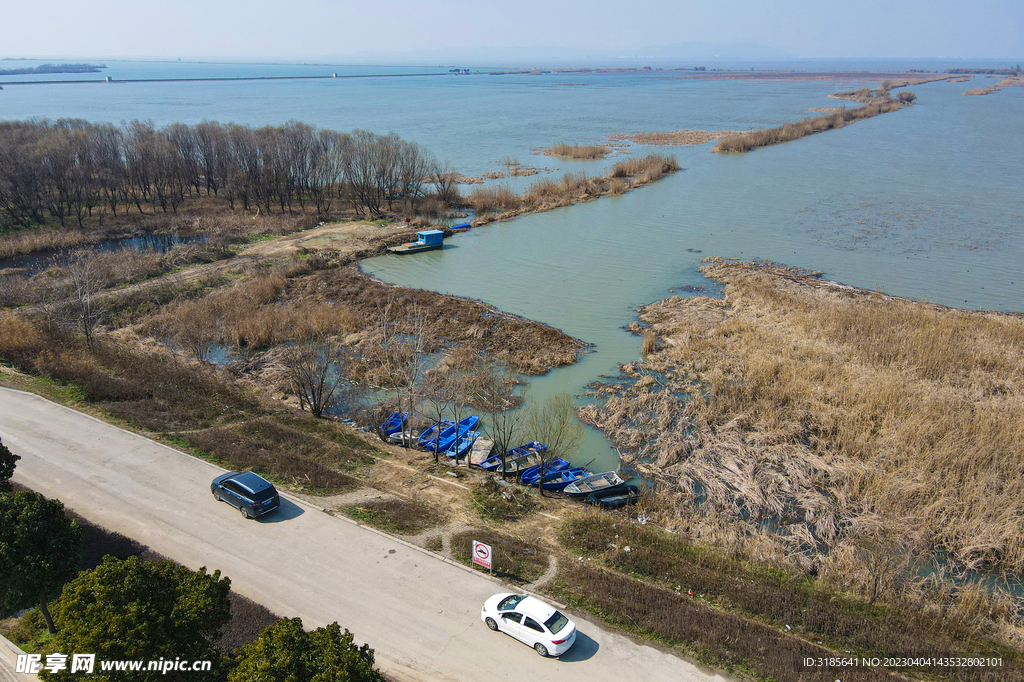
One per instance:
(136, 610)
(7, 461)
(285, 652)
(39, 551)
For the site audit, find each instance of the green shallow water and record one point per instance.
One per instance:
(925, 202)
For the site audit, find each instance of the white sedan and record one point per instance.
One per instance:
(531, 621)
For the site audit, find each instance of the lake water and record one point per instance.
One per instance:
(925, 202)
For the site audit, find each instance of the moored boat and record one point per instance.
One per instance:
(426, 240)
(463, 445)
(519, 463)
(613, 498)
(594, 483)
(394, 423)
(493, 462)
(557, 480)
(532, 475)
(432, 433)
(453, 433)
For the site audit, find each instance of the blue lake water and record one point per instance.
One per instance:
(925, 202)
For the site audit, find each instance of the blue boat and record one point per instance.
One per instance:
(394, 423)
(463, 445)
(452, 434)
(493, 463)
(559, 479)
(532, 475)
(431, 434)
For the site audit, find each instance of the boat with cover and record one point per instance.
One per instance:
(452, 434)
(594, 483)
(431, 434)
(394, 423)
(532, 475)
(616, 497)
(557, 480)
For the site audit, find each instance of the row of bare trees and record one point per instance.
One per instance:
(71, 169)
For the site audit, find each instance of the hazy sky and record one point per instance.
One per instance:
(326, 29)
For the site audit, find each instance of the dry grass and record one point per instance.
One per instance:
(807, 126)
(674, 137)
(1008, 82)
(516, 560)
(493, 198)
(836, 412)
(500, 203)
(395, 515)
(577, 151)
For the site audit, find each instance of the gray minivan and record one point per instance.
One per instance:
(250, 493)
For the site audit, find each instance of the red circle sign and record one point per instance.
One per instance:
(482, 551)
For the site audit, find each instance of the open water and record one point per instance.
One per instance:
(926, 202)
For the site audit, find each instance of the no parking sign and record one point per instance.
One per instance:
(482, 554)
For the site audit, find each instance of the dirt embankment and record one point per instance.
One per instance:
(836, 412)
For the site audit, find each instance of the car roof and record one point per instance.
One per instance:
(254, 483)
(535, 608)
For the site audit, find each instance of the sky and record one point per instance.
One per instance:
(388, 31)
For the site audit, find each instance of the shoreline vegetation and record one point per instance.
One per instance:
(673, 137)
(1016, 80)
(840, 418)
(577, 151)
(874, 103)
(498, 203)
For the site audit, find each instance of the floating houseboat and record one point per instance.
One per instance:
(426, 240)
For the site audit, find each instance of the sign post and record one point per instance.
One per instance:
(482, 555)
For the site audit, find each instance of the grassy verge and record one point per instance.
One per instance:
(515, 560)
(790, 604)
(394, 515)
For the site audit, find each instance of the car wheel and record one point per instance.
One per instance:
(541, 649)
(245, 512)
(216, 495)
(491, 624)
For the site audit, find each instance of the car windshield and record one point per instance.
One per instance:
(510, 602)
(556, 622)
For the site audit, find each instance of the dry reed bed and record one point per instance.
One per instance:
(840, 412)
(807, 126)
(1008, 82)
(674, 137)
(499, 202)
(297, 301)
(577, 151)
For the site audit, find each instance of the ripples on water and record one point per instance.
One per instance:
(924, 202)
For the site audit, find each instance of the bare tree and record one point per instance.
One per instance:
(885, 556)
(80, 286)
(445, 181)
(312, 370)
(555, 424)
(500, 402)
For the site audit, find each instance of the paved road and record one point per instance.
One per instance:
(419, 613)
